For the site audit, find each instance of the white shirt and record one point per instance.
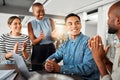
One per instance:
(116, 66)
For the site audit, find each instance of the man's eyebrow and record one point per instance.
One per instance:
(77, 21)
(69, 22)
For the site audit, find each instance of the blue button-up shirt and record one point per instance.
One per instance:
(77, 58)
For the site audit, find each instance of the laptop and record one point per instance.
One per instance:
(22, 68)
(26, 75)
(4, 74)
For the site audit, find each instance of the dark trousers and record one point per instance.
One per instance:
(39, 54)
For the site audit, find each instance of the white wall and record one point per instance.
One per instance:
(91, 29)
(3, 23)
(102, 22)
(4, 26)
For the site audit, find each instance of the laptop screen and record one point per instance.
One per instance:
(22, 68)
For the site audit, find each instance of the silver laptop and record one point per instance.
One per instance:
(26, 75)
(22, 68)
(4, 74)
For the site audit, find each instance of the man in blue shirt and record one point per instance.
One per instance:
(75, 53)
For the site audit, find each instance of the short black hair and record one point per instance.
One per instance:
(70, 15)
(37, 4)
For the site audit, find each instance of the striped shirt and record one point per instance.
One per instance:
(7, 43)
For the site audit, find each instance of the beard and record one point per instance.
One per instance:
(112, 30)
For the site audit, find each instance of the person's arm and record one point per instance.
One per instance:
(103, 71)
(58, 55)
(52, 24)
(51, 64)
(24, 52)
(26, 48)
(4, 56)
(53, 33)
(101, 66)
(106, 60)
(108, 64)
(85, 68)
(2, 49)
(32, 36)
(99, 54)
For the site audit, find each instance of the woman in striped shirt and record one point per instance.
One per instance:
(14, 42)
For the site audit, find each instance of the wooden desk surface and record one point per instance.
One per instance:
(7, 66)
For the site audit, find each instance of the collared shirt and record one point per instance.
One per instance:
(112, 41)
(114, 76)
(77, 58)
(116, 66)
(106, 77)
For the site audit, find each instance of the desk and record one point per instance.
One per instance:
(7, 66)
(12, 66)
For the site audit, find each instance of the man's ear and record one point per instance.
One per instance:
(117, 21)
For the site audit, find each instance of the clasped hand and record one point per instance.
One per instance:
(52, 66)
(97, 48)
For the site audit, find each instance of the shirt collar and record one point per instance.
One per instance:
(14, 36)
(77, 38)
(39, 20)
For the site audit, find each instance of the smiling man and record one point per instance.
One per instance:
(76, 56)
(108, 70)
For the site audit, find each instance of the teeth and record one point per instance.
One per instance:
(74, 30)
